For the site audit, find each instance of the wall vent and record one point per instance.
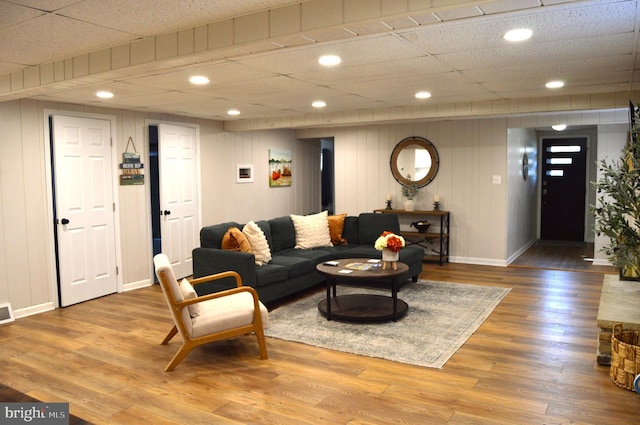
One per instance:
(6, 313)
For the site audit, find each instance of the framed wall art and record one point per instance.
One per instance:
(244, 173)
(280, 166)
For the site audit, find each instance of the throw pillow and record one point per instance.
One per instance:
(336, 226)
(188, 293)
(312, 231)
(235, 240)
(258, 242)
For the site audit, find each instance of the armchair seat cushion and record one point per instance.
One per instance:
(220, 314)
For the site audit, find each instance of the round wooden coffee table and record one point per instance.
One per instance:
(362, 307)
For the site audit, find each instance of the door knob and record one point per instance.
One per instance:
(167, 212)
(64, 221)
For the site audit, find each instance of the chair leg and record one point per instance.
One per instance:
(180, 355)
(170, 335)
(262, 345)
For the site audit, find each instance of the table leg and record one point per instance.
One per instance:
(330, 283)
(394, 295)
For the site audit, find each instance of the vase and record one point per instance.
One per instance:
(390, 256)
(390, 259)
(409, 205)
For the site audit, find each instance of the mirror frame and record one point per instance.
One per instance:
(423, 143)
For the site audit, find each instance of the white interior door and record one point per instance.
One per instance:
(83, 176)
(178, 195)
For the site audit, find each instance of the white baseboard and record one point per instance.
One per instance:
(136, 285)
(34, 309)
(479, 261)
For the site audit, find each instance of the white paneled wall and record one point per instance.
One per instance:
(471, 152)
(225, 200)
(485, 224)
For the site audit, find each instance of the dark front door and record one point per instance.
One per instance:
(564, 167)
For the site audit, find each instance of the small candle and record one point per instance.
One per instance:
(388, 196)
(436, 198)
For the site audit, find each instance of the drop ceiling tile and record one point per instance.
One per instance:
(550, 52)
(13, 14)
(353, 52)
(147, 17)
(555, 25)
(406, 69)
(221, 72)
(47, 33)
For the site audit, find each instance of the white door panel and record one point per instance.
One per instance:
(178, 199)
(83, 179)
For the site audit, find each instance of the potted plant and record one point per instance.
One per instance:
(618, 205)
(409, 192)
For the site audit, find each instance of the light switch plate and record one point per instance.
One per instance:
(497, 179)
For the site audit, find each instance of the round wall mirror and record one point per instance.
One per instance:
(414, 160)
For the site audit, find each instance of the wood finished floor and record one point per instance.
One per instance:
(532, 362)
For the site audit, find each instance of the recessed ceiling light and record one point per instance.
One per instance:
(319, 104)
(559, 127)
(518, 34)
(423, 95)
(554, 84)
(233, 112)
(104, 94)
(329, 60)
(199, 80)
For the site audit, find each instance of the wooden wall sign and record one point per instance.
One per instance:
(131, 167)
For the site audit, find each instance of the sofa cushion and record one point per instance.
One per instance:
(283, 234)
(296, 266)
(211, 236)
(317, 255)
(258, 242)
(235, 240)
(312, 231)
(270, 274)
(371, 226)
(336, 226)
(350, 231)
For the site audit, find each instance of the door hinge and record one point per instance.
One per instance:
(117, 271)
(111, 141)
(114, 207)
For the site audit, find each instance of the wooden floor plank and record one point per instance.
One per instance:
(532, 361)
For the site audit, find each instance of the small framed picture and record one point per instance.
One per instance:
(244, 173)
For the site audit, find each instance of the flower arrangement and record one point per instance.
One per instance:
(389, 240)
(410, 191)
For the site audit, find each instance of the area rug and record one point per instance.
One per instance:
(441, 317)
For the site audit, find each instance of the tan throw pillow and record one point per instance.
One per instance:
(235, 240)
(336, 227)
(258, 242)
(312, 231)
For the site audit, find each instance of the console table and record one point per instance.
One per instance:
(440, 218)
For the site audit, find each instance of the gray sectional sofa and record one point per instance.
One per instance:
(292, 270)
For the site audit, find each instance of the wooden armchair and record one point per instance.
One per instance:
(212, 317)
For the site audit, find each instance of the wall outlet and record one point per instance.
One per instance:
(496, 179)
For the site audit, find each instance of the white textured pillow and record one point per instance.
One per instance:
(312, 231)
(188, 292)
(258, 242)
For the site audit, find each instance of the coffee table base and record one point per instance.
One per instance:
(363, 308)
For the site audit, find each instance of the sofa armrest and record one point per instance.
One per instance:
(208, 261)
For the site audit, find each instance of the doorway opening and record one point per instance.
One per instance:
(327, 175)
(154, 181)
(563, 195)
